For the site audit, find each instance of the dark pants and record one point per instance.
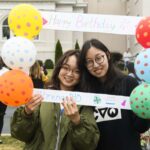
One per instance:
(2, 113)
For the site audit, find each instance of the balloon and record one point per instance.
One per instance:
(142, 65)
(3, 70)
(18, 53)
(25, 20)
(140, 101)
(16, 88)
(143, 32)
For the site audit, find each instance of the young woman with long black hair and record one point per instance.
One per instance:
(119, 129)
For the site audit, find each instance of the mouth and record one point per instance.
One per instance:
(99, 70)
(68, 79)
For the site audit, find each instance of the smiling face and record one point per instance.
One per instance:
(97, 62)
(69, 74)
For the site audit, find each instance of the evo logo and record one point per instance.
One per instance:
(106, 114)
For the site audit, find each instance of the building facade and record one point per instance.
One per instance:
(119, 43)
(46, 41)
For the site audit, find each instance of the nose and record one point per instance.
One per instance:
(70, 72)
(95, 64)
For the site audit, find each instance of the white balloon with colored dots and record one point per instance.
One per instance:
(19, 53)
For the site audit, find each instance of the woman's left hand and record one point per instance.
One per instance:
(71, 110)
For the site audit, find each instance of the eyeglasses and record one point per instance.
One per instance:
(99, 59)
(67, 69)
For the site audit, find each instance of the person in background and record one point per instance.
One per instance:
(43, 67)
(132, 73)
(3, 107)
(145, 140)
(50, 126)
(119, 129)
(123, 68)
(127, 56)
(37, 75)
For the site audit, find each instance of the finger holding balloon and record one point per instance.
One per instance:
(33, 103)
(71, 110)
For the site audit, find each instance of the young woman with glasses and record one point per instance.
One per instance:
(119, 129)
(44, 126)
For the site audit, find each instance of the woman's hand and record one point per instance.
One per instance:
(34, 102)
(71, 110)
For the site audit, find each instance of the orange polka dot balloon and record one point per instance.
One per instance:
(25, 20)
(143, 32)
(16, 88)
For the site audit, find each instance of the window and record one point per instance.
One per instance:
(5, 29)
(36, 37)
(6, 33)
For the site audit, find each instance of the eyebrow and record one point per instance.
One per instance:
(65, 64)
(96, 55)
(70, 66)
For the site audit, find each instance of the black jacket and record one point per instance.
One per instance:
(119, 129)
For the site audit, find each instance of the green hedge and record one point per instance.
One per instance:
(48, 64)
(58, 51)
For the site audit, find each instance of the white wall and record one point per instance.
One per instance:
(115, 7)
(137, 8)
(48, 38)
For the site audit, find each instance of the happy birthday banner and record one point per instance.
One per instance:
(87, 99)
(115, 24)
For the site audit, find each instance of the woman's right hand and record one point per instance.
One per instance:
(34, 102)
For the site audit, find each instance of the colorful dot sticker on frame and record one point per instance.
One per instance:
(25, 20)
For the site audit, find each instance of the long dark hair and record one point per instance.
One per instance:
(55, 82)
(35, 71)
(89, 83)
(2, 64)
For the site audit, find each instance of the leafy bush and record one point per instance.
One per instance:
(77, 45)
(48, 64)
(58, 51)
